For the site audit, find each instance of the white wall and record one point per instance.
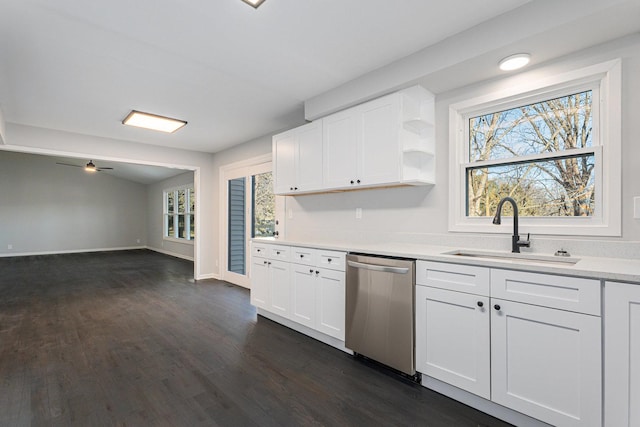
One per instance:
(51, 208)
(27, 138)
(2, 128)
(421, 214)
(155, 218)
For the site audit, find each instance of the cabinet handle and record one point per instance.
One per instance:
(497, 307)
(351, 181)
(278, 253)
(480, 304)
(264, 262)
(329, 260)
(295, 188)
(269, 263)
(301, 256)
(257, 250)
(291, 188)
(311, 271)
(317, 272)
(358, 181)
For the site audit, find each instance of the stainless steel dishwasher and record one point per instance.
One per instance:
(380, 310)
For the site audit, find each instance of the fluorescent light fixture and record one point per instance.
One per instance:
(254, 3)
(153, 122)
(514, 62)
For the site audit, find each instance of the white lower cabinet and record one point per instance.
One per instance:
(452, 338)
(303, 290)
(542, 362)
(304, 285)
(330, 303)
(260, 282)
(546, 363)
(622, 354)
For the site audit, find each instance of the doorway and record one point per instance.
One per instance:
(252, 210)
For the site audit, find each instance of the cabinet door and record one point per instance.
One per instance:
(452, 338)
(622, 354)
(284, 162)
(260, 282)
(379, 149)
(309, 157)
(303, 296)
(340, 152)
(546, 363)
(330, 297)
(279, 291)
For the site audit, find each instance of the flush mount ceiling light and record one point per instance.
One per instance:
(254, 3)
(514, 62)
(153, 122)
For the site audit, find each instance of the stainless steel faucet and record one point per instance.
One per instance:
(516, 243)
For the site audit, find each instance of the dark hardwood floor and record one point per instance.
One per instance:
(128, 339)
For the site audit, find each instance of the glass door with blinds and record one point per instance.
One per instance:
(251, 212)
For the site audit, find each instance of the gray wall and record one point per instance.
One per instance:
(46, 207)
(155, 218)
(420, 214)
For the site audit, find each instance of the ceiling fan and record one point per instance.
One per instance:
(89, 167)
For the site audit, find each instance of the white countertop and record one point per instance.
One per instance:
(617, 269)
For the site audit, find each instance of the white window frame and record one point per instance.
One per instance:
(166, 216)
(605, 81)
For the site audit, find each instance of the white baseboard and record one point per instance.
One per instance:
(173, 254)
(477, 402)
(208, 276)
(70, 251)
(333, 342)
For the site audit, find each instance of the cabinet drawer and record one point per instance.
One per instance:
(279, 252)
(305, 256)
(456, 277)
(331, 260)
(566, 293)
(260, 249)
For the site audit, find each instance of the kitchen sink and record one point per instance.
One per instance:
(516, 258)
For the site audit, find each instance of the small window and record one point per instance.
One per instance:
(553, 145)
(179, 213)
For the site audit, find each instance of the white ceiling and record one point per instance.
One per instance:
(235, 73)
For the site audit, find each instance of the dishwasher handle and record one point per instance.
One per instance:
(375, 267)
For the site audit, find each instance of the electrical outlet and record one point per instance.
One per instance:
(358, 213)
(137, 240)
(636, 207)
(9, 246)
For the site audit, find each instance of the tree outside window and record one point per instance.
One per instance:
(540, 154)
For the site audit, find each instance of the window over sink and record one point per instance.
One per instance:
(551, 144)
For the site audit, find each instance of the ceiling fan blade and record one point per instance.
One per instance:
(104, 169)
(69, 164)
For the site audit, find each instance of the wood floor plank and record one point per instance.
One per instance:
(128, 338)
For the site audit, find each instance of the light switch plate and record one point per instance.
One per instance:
(636, 207)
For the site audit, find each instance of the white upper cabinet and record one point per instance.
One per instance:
(297, 158)
(388, 141)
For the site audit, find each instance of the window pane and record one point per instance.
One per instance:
(192, 200)
(181, 227)
(545, 127)
(170, 226)
(192, 231)
(558, 187)
(264, 203)
(181, 200)
(170, 202)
